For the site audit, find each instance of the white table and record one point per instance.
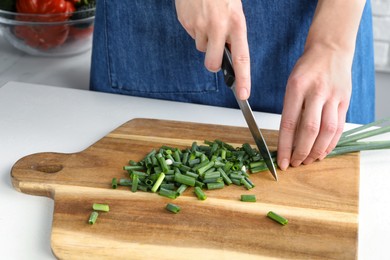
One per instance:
(37, 118)
(70, 72)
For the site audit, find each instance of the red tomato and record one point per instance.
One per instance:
(44, 36)
(79, 33)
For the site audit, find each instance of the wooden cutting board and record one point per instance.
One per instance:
(319, 200)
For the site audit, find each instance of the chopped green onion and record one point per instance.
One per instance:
(135, 181)
(236, 182)
(211, 175)
(247, 185)
(168, 193)
(101, 207)
(158, 182)
(225, 177)
(181, 189)
(125, 182)
(281, 220)
(215, 185)
(168, 186)
(200, 194)
(248, 198)
(114, 183)
(133, 167)
(184, 179)
(173, 208)
(205, 168)
(162, 162)
(93, 217)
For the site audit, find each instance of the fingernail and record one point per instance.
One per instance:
(323, 156)
(296, 163)
(243, 94)
(283, 165)
(308, 160)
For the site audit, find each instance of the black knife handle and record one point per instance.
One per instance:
(227, 68)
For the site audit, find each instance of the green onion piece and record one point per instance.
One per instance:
(225, 177)
(149, 182)
(142, 188)
(211, 175)
(199, 184)
(200, 194)
(168, 186)
(248, 149)
(176, 155)
(169, 178)
(215, 185)
(125, 182)
(223, 154)
(247, 185)
(168, 193)
(93, 217)
(184, 160)
(181, 189)
(193, 162)
(236, 182)
(135, 180)
(162, 162)
(131, 162)
(192, 174)
(194, 147)
(184, 179)
(158, 182)
(200, 165)
(281, 220)
(205, 168)
(248, 198)
(218, 164)
(133, 167)
(209, 180)
(173, 208)
(114, 183)
(250, 182)
(101, 207)
(236, 176)
(184, 168)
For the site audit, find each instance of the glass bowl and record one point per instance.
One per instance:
(51, 35)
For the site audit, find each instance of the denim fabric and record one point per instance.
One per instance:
(141, 49)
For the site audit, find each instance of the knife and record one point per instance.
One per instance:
(230, 80)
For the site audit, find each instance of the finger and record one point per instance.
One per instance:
(292, 109)
(328, 129)
(342, 113)
(201, 42)
(214, 52)
(241, 63)
(307, 130)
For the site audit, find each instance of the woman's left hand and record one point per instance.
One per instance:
(315, 106)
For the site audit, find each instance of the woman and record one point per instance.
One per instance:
(297, 58)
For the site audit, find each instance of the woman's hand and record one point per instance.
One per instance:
(320, 85)
(315, 106)
(212, 24)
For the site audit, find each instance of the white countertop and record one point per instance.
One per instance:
(70, 72)
(37, 118)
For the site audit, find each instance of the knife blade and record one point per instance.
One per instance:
(230, 80)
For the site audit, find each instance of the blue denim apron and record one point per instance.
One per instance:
(141, 49)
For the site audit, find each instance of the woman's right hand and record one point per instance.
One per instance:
(212, 24)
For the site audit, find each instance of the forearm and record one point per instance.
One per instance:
(335, 25)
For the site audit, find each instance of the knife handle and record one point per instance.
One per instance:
(227, 68)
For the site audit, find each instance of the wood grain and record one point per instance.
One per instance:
(319, 200)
